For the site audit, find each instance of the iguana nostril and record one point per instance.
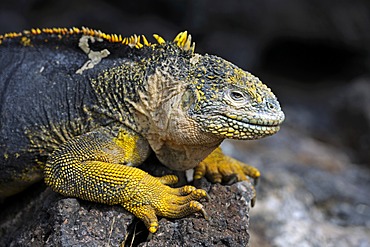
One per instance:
(270, 105)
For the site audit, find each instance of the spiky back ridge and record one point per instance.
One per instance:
(182, 40)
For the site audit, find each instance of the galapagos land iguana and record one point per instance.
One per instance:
(82, 108)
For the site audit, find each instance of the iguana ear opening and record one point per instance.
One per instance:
(188, 99)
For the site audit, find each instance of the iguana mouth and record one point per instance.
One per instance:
(238, 127)
(253, 126)
(258, 121)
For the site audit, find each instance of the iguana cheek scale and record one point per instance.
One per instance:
(82, 109)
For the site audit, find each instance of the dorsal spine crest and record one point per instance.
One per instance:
(182, 40)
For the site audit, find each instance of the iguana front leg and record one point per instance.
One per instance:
(92, 167)
(218, 167)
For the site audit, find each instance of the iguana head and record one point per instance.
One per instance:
(204, 98)
(230, 102)
(196, 101)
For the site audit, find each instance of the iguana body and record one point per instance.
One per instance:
(83, 108)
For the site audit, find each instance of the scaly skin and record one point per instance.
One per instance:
(132, 98)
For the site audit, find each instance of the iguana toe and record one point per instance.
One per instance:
(158, 199)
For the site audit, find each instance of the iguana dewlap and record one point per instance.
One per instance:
(83, 108)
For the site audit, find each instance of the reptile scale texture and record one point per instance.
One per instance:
(81, 109)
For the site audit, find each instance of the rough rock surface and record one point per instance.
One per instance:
(228, 224)
(48, 219)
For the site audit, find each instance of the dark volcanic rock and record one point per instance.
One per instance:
(49, 219)
(228, 210)
(52, 220)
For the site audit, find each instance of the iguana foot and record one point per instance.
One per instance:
(218, 167)
(154, 198)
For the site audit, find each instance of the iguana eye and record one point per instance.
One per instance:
(236, 95)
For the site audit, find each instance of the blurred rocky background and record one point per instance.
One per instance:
(314, 54)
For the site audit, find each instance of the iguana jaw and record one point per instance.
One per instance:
(245, 128)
